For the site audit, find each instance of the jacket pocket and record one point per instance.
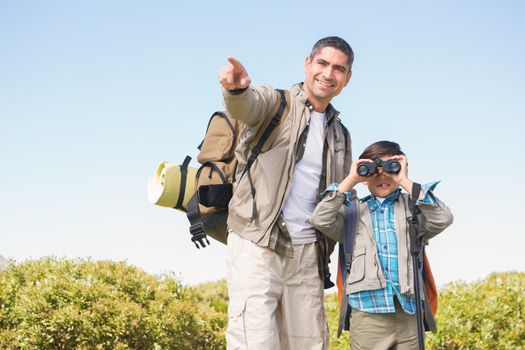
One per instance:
(357, 270)
(236, 308)
(339, 146)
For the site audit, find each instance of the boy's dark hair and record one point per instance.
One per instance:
(381, 149)
(337, 43)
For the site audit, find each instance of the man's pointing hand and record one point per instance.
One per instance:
(234, 75)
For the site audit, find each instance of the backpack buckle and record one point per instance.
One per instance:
(199, 237)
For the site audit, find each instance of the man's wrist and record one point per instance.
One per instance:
(237, 91)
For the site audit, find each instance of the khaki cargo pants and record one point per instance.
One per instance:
(275, 302)
(389, 331)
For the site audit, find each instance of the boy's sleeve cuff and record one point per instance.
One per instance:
(334, 187)
(428, 196)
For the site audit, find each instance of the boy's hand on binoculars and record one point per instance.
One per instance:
(353, 170)
(403, 173)
(234, 76)
(353, 177)
(401, 178)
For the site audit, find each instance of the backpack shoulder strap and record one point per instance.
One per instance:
(275, 121)
(267, 132)
(345, 263)
(417, 248)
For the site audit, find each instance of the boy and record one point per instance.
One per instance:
(380, 284)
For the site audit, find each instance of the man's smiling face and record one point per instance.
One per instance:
(327, 73)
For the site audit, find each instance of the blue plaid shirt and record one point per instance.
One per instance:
(385, 235)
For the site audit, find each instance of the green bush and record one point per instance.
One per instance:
(487, 314)
(63, 304)
(213, 294)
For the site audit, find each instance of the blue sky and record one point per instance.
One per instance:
(93, 95)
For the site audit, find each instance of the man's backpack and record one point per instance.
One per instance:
(204, 194)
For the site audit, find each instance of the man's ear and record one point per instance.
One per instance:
(307, 62)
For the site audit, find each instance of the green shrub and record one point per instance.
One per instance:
(487, 314)
(63, 304)
(213, 294)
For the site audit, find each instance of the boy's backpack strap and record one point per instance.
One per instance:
(345, 263)
(258, 147)
(415, 243)
(424, 312)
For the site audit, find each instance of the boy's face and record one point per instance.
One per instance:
(381, 184)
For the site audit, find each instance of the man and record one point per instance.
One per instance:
(277, 262)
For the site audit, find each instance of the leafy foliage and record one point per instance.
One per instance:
(63, 304)
(214, 294)
(487, 314)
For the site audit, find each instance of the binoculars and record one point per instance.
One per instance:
(370, 168)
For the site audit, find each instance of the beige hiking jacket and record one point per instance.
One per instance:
(365, 272)
(273, 169)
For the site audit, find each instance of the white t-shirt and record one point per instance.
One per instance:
(302, 199)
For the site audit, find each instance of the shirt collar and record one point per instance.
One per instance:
(374, 203)
(298, 91)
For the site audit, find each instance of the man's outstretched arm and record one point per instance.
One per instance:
(246, 104)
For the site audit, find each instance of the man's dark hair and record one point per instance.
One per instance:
(381, 149)
(337, 43)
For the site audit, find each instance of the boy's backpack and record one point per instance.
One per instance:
(204, 194)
